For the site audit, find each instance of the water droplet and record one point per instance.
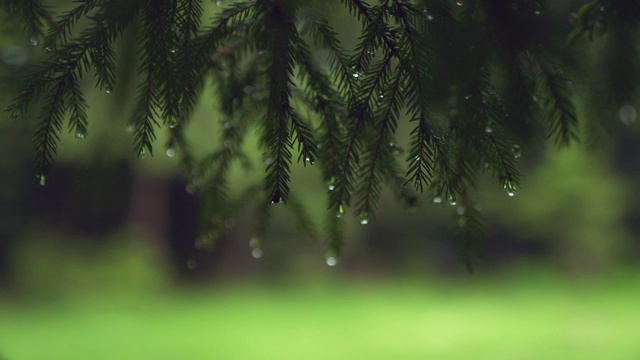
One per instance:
(257, 253)
(459, 3)
(538, 12)
(192, 264)
(171, 152)
(34, 41)
(453, 202)
(488, 129)
(467, 97)
(42, 179)
(142, 154)
(340, 213)
(219, 3)
(276, 198)
(332, 261)
(356, 75)
(81, 135)
(173, 123)
(14, 115)
(173, 50)
(48, 49)
(429, 18)
(268, 160)
(130, 128)
(460, 211)
(627, 114)
(227, 125)
(364, 220)
(437, 200)
(516, 151)
(535, 98)
(332, 187)
(108, 89)
(511, 192)
(486, 165)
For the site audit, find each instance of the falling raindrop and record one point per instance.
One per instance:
(332, 261)
(437, 200)
(171, 152)
(627, 114)
(34, 41)
(257, 253)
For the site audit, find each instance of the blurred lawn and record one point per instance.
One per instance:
(528, 315)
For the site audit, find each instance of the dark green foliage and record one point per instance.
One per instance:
(463, 75)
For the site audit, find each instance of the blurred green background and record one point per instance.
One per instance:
(101, 263)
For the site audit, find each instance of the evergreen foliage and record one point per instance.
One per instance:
(466, 76)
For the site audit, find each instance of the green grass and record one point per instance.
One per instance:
(525, 316)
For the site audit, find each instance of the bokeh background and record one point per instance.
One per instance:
(101, 264)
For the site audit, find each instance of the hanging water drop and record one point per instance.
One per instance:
(534, 98)
(268, 160)
(429, 18)
(516, 151)
(488, 129)
(276, 198)
(142, 154)
(81, 135)
(219, 3)
(511, 192)
(356, 75)
(14, 115)
(173, 123)
(364, 220)
(108, 90)
(437, 200)
(34, 41)
(331, 261)
(42, 180)
(173, 51)
(340, 213)
(538, 12)
(171, 152)
(459, 3)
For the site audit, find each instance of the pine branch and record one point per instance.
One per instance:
(558, 107)
(46, 135)
(64, 25)
(32, 14)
